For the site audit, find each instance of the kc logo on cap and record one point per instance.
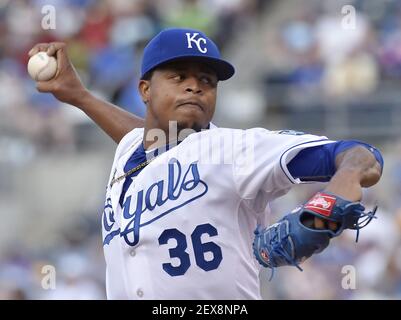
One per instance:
(175, 44)
(191, 38)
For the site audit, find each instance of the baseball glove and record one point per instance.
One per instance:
(293, 239)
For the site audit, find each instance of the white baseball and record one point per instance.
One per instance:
(41, 67)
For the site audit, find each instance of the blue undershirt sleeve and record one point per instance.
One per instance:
(318, 163)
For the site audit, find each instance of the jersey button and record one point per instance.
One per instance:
(139, 293)
(132, 253)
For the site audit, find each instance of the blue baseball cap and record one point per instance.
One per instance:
(176, 44)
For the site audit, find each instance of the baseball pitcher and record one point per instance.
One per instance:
(186, 202)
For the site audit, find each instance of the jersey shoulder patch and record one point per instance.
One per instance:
(289, 132)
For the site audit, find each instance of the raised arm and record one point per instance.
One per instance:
(67, 87)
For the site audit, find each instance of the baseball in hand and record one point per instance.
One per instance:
(42, 67)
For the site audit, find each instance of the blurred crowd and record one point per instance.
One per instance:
(328, 63)
(72, 267)
(336, 48)
(105, 40)
(307, 62)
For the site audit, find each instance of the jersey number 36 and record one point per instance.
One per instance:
(199, 250)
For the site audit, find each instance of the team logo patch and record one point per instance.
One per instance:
(321, 203)
(291, 132)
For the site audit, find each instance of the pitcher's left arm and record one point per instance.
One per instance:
(348, 166)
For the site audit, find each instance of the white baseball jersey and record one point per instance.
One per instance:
(185, 226)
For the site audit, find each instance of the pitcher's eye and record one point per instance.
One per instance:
(178, 77)
(209, 80)
(206, 79)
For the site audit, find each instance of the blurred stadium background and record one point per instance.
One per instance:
(296, 69)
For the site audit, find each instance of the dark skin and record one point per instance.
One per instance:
(183, 91)
(357, 168)
(186, 92)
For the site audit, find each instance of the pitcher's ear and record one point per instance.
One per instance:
(143, 88)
